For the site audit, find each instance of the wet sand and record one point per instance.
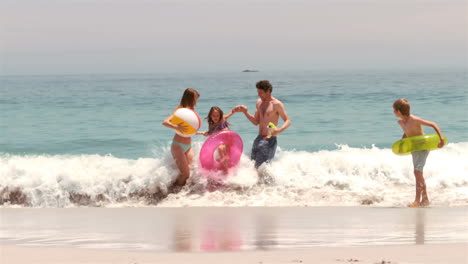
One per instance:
(240, 235)
(409, 254)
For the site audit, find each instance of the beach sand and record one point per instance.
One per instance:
(234, 235)
(424, 254)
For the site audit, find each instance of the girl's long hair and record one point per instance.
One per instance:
(188, 98)
(221, 115)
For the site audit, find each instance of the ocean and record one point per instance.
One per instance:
(97, 140)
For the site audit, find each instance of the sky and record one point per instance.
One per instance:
(142, 36)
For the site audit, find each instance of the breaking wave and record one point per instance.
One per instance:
(343, 177)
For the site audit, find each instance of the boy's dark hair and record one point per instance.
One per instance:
(403, 106)
(264, 85)
(188, 98)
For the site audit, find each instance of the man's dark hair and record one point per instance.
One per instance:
(264, 85)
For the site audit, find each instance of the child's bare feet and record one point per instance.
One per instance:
(414, 204)
(425, 203)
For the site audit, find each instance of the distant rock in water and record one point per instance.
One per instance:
(250, 71)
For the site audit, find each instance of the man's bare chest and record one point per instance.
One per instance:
(266, 108)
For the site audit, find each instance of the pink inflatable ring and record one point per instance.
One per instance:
(233, 148)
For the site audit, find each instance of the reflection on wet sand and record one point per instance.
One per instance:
(211, 234)
(231, 229)
(265, 232)
(182, 237)
(420, 226)
(226, 230)
(220, 240)
(215, 233)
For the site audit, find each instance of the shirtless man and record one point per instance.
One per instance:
(268, 109)
(412, 126)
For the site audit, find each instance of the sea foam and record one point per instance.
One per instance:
(345, 176)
